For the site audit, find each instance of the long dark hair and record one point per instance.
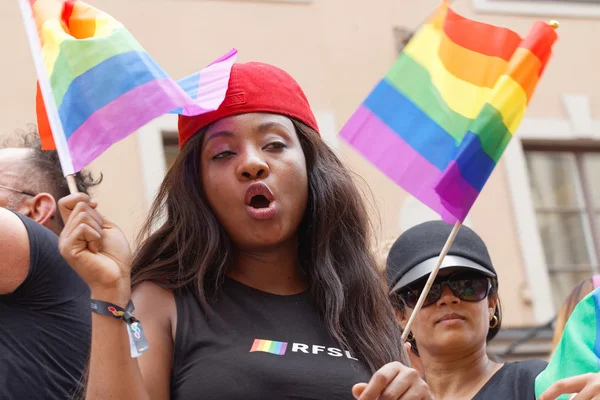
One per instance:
(334, 249)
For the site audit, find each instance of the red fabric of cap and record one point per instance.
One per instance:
(254, 87)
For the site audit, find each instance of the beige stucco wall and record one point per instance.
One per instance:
(337, 50)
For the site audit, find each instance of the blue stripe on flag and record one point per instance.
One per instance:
(103, 84)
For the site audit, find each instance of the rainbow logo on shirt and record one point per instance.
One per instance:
(269, 346)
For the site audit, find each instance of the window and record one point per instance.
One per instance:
(546, 8)
(565, 187)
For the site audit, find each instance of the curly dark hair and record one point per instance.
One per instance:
(48, 176)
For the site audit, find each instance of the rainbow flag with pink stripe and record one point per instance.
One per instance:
(105, 85)
(269, 346)
(441, 118)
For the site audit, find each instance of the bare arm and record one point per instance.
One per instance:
(14, 252)
(100, 254)
(147, 377)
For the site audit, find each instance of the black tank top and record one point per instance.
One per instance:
(258, 346)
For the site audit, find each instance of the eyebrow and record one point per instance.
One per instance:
(218, 134)
(267, 126)
(262, 128)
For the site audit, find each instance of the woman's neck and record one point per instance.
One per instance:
(458, 377)
(275, 270)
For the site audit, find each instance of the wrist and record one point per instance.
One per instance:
(116, 296)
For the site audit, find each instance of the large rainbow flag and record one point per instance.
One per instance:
(105, 85)
(439, 121)
(578, 352)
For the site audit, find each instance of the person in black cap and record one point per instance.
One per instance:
(460, 315)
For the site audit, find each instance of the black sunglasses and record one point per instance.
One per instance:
(468, 286)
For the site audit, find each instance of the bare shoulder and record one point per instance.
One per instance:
(14, 247)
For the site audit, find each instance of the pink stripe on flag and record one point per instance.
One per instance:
(395, 158)
(255, 345)
(213, 82)
(123, 116)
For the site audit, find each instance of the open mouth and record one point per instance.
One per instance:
(259, 201)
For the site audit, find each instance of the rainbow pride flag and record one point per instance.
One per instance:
(578, 352)
(439, 121)
(269, 346)
(105, 85)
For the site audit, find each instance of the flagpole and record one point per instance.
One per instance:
(52, 110)
(431, 279)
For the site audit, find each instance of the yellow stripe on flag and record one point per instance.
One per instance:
(510, 99)
(461, 96)
(53, 35)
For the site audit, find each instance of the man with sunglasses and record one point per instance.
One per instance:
(460, 315)
(44, 305)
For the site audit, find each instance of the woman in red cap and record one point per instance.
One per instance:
(254, 279)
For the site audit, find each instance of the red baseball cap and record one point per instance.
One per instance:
(254, 87)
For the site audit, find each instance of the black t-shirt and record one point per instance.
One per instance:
(264, 347)
(45, 325)
(514, 381)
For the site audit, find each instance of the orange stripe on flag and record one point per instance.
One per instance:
(524, 68)
(83, 23)
(476, 68)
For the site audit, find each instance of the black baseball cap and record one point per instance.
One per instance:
(415, 253)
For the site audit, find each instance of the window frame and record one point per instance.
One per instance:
(577, 149)
(579, 128)
(550, 9)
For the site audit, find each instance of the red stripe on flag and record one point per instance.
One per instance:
(479, 37)
(43, 123)
(68, 11)
(539, 41)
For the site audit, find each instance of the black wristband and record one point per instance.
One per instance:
(137, 339)
(113, 310)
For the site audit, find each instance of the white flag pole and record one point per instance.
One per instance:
(51, 109)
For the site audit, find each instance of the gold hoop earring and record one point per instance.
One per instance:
(494, 322)
(410, 338)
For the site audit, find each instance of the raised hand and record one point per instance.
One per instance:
(582, 387)
(393, 381)
(96, 249)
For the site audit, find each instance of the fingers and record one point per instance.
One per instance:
(575, 384)
(83, 229)
(407, 385)
(358, 389)
(67, 204)
(380, 380)
(591, 390)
